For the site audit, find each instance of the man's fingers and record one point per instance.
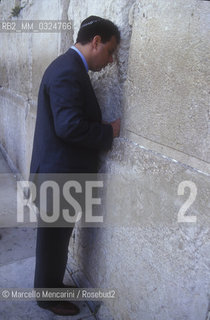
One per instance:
(116, 128)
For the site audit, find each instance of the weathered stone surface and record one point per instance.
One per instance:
(167, 94)
(159, 267)
(156, 272)
(22, 64)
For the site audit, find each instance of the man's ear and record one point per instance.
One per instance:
(96, 41)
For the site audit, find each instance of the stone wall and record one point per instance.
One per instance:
(23, 59)
(158, 85)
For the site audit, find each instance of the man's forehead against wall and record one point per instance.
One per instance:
(97, 40)
(93, 26)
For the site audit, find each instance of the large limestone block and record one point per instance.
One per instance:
(13, 136)
(15, 62)
(167, 93)
(158, 266)
(26, 55)
(23, 60)
(15, 54)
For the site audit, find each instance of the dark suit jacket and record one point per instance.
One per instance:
(69, 133)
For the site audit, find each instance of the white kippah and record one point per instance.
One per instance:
(88, 23)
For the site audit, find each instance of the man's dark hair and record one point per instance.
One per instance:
(93, 26)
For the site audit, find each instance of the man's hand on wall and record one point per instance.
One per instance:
(116, 128)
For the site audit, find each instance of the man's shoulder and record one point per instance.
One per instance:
(68, 61)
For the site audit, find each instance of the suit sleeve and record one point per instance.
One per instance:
(70, 121)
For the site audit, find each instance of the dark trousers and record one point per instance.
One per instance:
(52, 238)
(51, 256)
(52, 242)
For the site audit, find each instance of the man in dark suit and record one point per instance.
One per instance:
(69, 137)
